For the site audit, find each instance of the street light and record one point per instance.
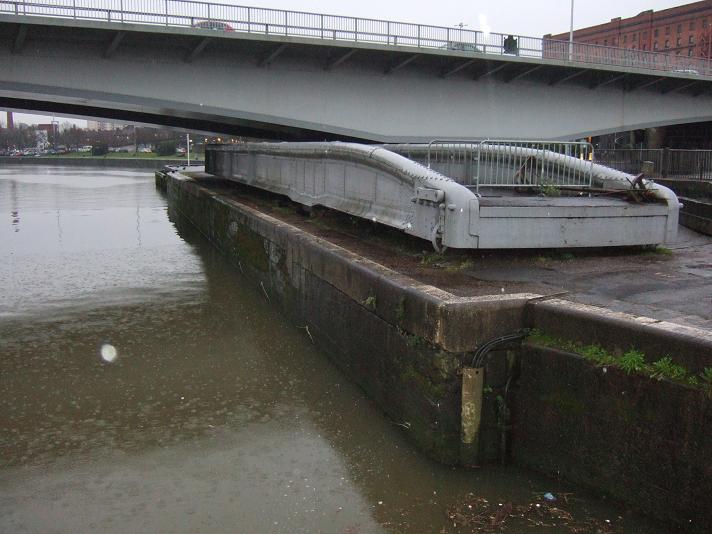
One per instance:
(458, 45)
(55, 131)
(187, 147)
(571, 33)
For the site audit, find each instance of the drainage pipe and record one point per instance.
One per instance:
(473, 381)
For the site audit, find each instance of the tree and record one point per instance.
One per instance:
(166, 148)
(100, 149)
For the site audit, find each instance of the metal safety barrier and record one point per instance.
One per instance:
(233, 18)
(508, 163)
(660, 162)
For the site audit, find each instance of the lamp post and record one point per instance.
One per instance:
(571, 33)
(187, 148)
(459, 25)
(55, 132)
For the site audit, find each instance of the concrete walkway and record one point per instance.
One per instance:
(675, 287)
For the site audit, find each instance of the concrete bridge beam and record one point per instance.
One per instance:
(326, 89)
(20, 37)
(197, 49)
(114, 44)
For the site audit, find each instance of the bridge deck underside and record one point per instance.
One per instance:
(198, 52)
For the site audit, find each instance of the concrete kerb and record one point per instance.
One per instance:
(619, 332)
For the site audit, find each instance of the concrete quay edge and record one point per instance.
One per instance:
(459, 324)
(456, 324)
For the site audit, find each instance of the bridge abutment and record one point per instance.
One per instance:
(563, 403)
(401, 341)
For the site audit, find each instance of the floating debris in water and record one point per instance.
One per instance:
(479, 515)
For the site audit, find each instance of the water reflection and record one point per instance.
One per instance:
(214, 413)
(15, 214)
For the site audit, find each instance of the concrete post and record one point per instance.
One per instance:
(471, 415)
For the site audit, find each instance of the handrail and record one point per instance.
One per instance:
(513, 163)
(266, 21)
(693, 164)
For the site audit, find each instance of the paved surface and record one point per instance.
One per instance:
(675, 287)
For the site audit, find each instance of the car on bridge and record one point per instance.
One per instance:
(459, 45)
(686, 70)
(213, 25)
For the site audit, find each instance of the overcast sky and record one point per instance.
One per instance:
(521, 17)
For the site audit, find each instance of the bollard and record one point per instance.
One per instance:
(471, 414)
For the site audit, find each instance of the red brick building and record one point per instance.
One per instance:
(683, 31)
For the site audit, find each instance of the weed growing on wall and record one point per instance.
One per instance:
(666, 368)
(633, 361)
(370, 302)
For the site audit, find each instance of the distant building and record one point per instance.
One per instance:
(100, 126)
(50, 128)
(41, 139)
(681, 31)
(46, 134)
(10, 121)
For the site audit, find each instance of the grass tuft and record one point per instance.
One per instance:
(706, 375)
(432, 259)
(370, 302)
(666, 368)
(598, 354)
(632, 361)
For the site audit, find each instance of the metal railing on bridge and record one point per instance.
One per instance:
(507, 163)
(659, 163)
(225, 17)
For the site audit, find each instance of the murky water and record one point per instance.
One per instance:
(217, 415)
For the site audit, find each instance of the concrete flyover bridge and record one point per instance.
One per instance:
(300, 75)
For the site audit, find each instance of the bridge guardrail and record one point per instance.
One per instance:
(510, 163)
(666, 163)
(188, 13)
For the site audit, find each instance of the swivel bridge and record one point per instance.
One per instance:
(487, 194)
